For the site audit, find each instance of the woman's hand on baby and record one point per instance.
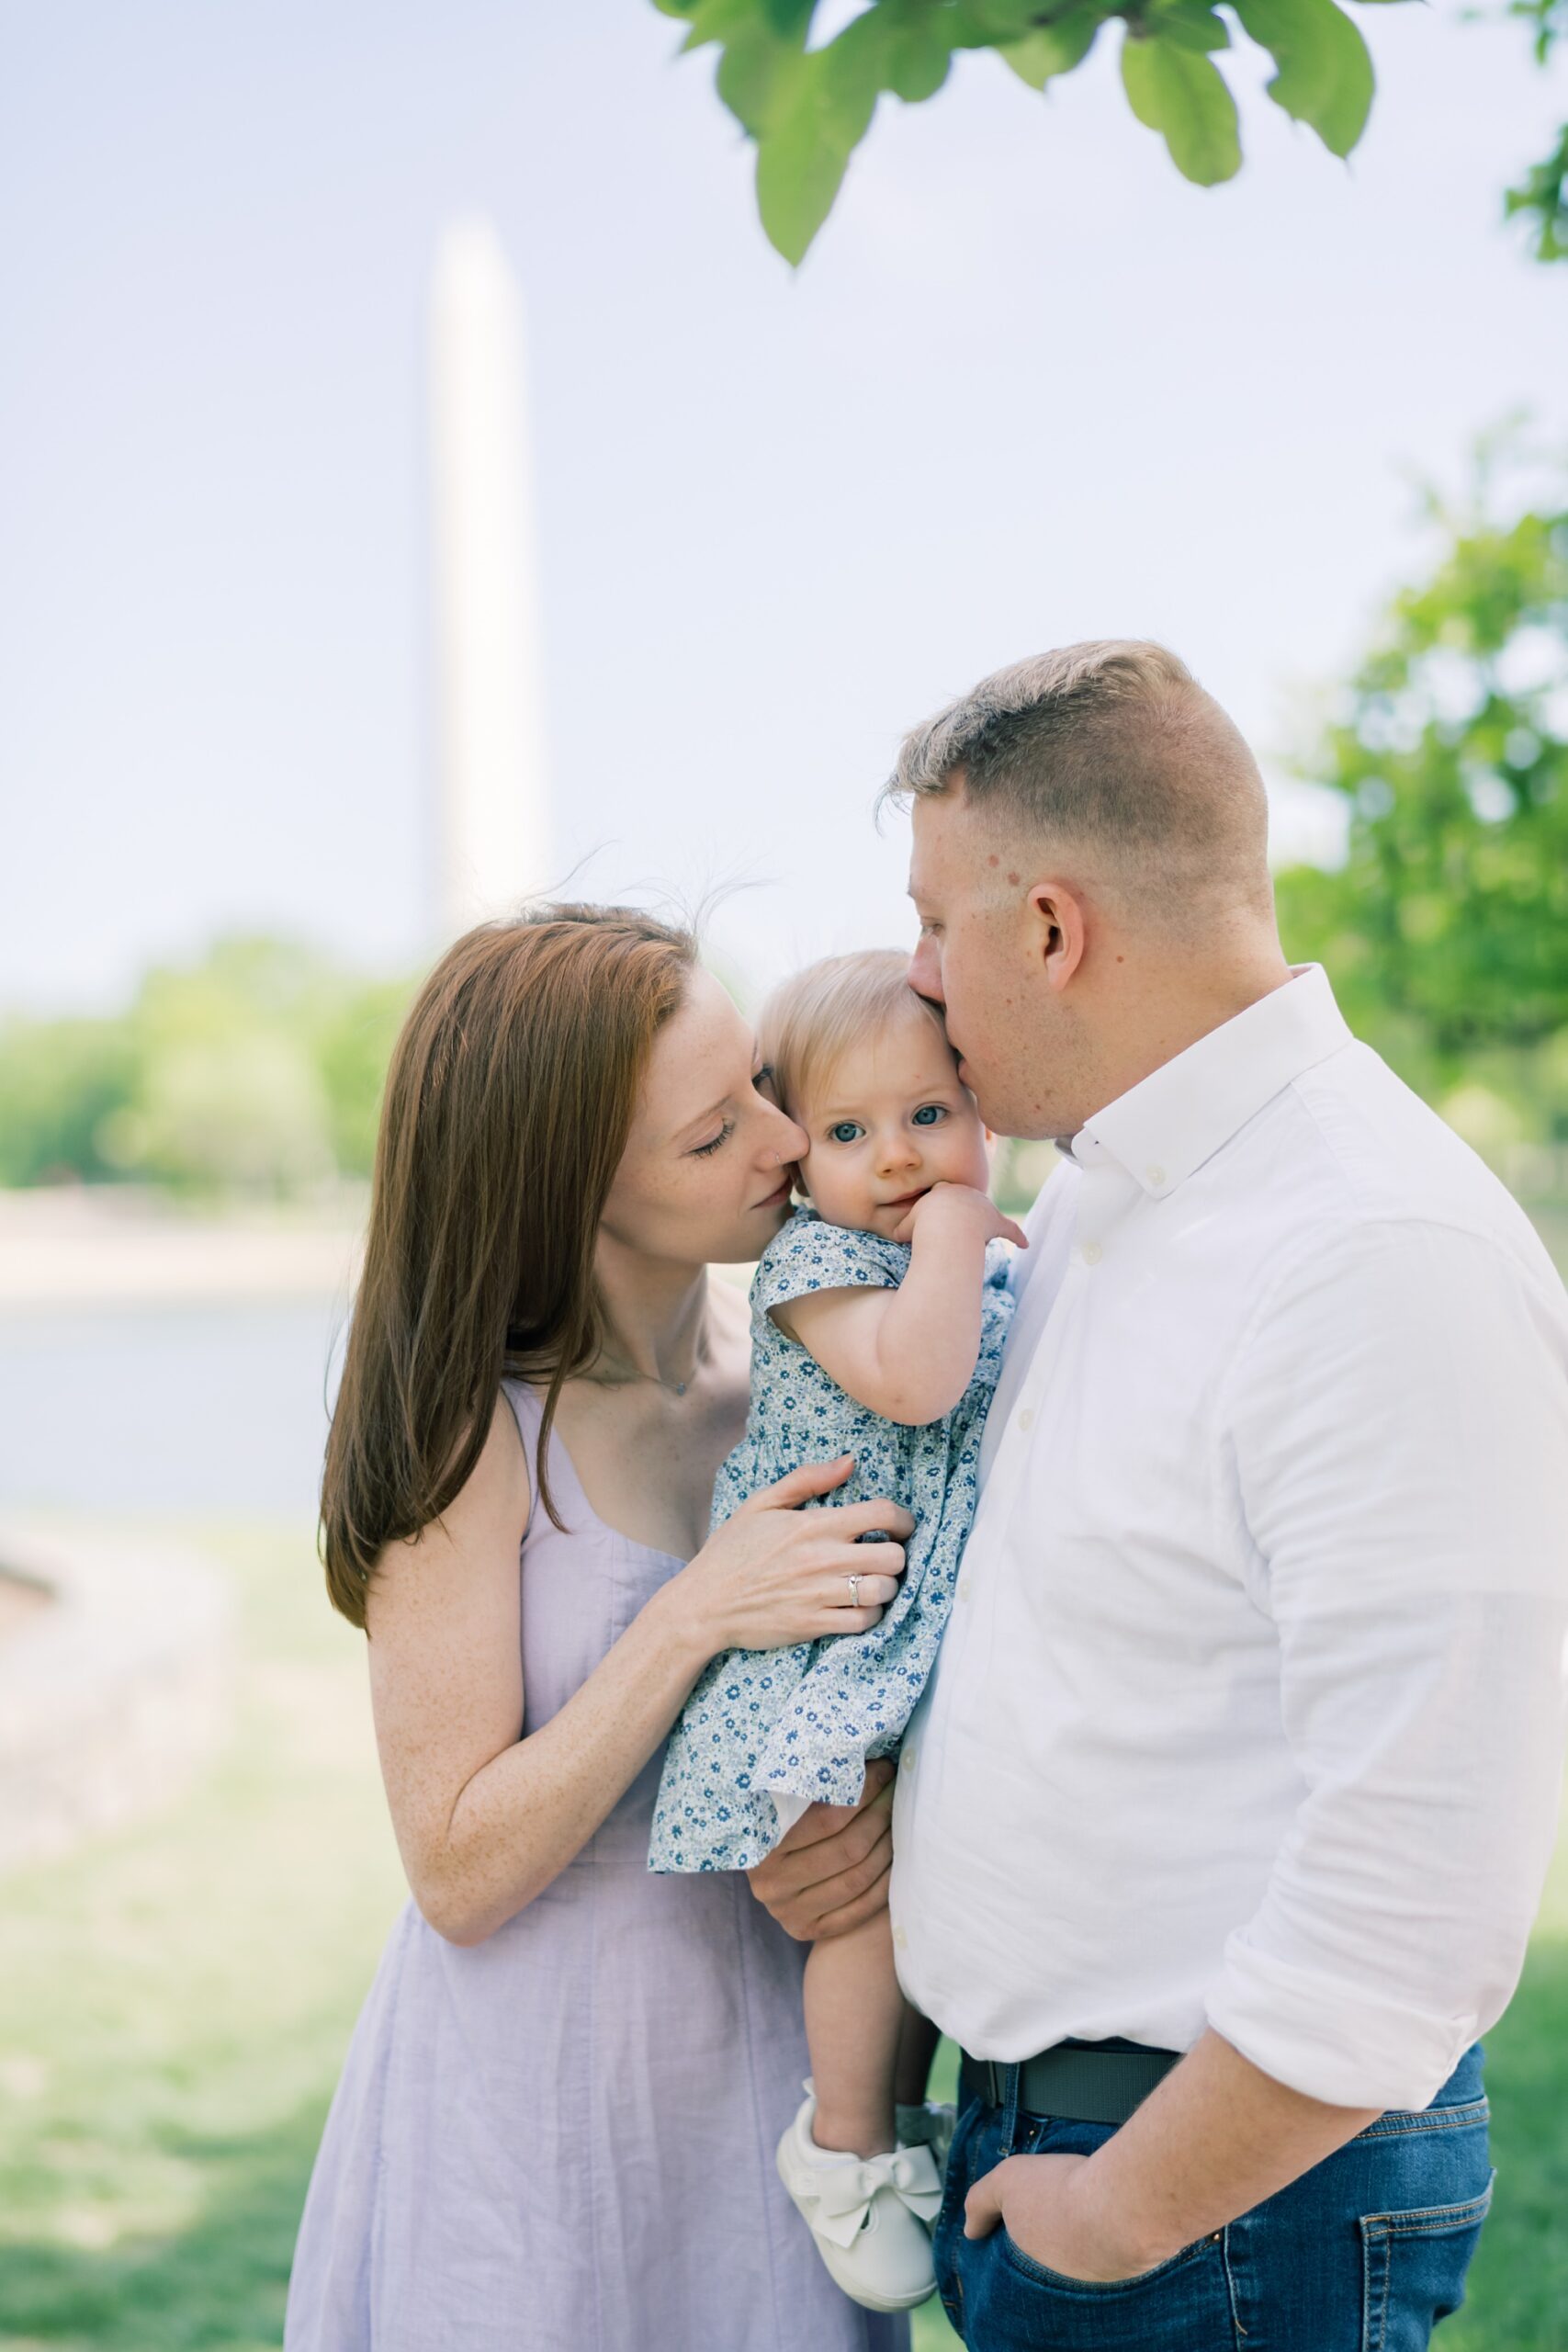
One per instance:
(959, 1207)
(830, 1872)
(774, 1574)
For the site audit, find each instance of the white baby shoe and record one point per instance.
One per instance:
(870, 2216)
(930, 2126)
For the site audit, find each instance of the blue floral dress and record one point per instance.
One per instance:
(801, 1722)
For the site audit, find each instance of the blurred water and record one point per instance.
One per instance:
(214, 1407)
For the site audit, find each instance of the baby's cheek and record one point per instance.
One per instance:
(972, 1162)
(816, 1179)
(834, 1193)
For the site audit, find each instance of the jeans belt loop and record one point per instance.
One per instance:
(1012, 2092)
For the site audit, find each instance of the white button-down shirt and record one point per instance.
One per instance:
(1249, 1710)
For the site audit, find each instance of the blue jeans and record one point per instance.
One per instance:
(1363, 2254)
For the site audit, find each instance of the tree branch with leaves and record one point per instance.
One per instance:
(1446, 929)
(807, 107)
(1541, 197)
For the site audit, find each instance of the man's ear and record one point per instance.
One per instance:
(1059, 917)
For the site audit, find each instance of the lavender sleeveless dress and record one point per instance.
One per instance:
(562, 2139)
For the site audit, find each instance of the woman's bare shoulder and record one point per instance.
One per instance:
(479, 1530)
(499, 1479)
(506, 1457)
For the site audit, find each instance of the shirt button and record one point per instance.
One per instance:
(907, 1760)
(1156, 1175)
(1026, 1419)
(966, 1586)
(1092, 1253)
(899, 1937)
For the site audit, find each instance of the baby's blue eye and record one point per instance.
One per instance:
(929, 1113)
(844, 1132)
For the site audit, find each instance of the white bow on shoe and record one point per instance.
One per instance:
(844, 2197)
(870, 2216)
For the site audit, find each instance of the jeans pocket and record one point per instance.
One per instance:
(1013, 2303)
(1102, 2289)
(1413, 2268)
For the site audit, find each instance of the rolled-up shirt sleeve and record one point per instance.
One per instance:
(1397, 1423)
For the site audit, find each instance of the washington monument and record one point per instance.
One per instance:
(494, 847)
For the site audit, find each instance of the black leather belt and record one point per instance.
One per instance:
(1076, 2082)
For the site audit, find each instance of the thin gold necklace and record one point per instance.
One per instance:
(630, 1379)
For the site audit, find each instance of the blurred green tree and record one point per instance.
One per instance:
(259, 1068)
(806, 108)
(1540, 197)
(1446, 929)
(354, 1038)
(60, 1081)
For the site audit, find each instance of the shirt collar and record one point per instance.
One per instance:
(1171, 1122)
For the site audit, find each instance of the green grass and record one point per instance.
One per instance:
(174, 2003)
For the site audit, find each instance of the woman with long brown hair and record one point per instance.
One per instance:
(557, 2121)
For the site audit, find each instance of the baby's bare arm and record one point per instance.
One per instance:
(909, 1354)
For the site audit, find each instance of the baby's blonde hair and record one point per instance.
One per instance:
(809, 1019)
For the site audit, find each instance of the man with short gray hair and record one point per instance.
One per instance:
(1220, 1827)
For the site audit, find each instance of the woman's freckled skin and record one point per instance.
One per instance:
(1015, 880)
(993, 859)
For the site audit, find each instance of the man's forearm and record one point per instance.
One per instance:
(1215, 2139)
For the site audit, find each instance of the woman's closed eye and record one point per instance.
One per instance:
(762, 1080)
(705, 1150)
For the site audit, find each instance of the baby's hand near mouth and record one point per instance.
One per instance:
(961, 1208)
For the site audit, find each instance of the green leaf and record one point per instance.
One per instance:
(802, 157)
(788, 21)
(757, 62)
(1188, 24)
(1184, 96)
(717, 20)
(1324, 74)
(918, 54)
(1541, 197)
(983, 24)
(754, 75)
(800, 169)
(1053, 48)
(791, 19)
(854, 70)
(916, 70)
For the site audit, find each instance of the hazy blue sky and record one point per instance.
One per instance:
(1029, 387)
